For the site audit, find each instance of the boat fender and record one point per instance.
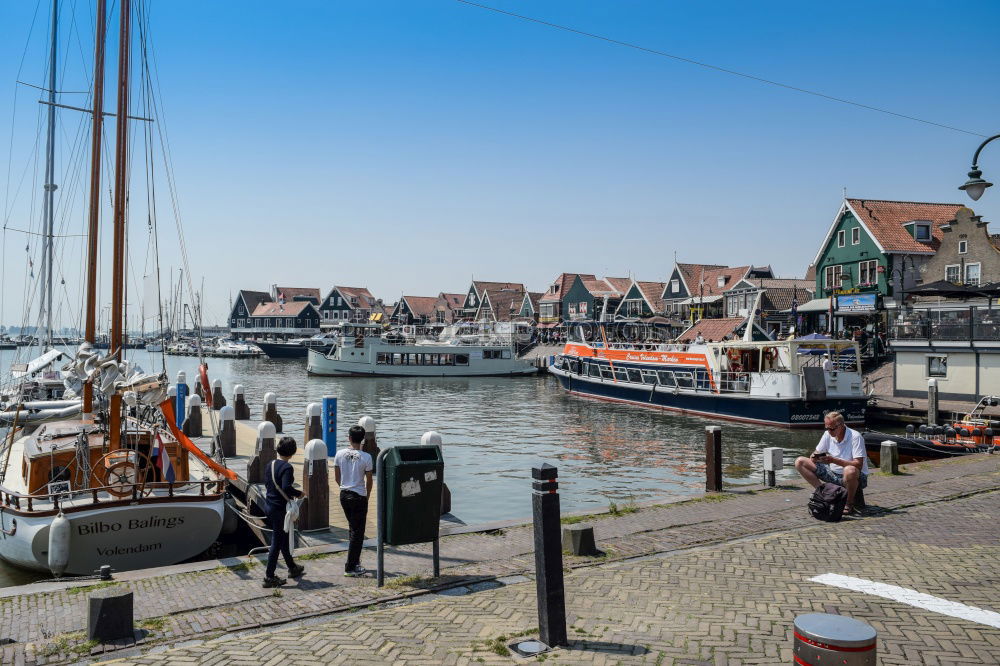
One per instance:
(59, 537)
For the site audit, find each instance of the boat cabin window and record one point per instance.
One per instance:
(491, 354)
(684, 379)
(621, 374)
(606, 372)
(461, 359)
(666, 377)
(506, 353)
(387, 358)
(649, 376)
(634, 375)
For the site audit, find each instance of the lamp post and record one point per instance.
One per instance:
(975, 186)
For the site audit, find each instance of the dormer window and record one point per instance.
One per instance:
(922, 231)
(675, 286)
(721, 281)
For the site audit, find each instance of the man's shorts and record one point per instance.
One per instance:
(824, 473)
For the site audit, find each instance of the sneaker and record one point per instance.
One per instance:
(274, 581)
(296, 571)
(852, 511)
(356, 571)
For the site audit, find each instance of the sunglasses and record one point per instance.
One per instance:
(832, 428)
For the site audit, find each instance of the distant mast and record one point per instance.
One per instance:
(48, 206)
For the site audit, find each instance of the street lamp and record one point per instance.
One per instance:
(975, 186)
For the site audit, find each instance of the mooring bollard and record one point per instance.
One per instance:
(774, 459)
(271, 411)
(316, 484)
(240, 403)
(182, 392)
(713, 459)
(330, 425)
(888, 457)
(579, 540)
(314, 422)
(192, 424)
(932, 402)
(430, 438)
(549, 585)
(218, 400)
(370, 445)
(827, 639)
(264, 453)
(227, 431)
(110, 614)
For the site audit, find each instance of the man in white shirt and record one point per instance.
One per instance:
(352, 470)
(840, 458)
(827, 363)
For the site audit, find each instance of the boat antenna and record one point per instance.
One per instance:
(90, 309)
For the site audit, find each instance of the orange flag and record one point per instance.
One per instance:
(167, 408)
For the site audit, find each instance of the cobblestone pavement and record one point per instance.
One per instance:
(731, 604)
(203, 604)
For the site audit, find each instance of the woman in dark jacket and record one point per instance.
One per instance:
(278, 479)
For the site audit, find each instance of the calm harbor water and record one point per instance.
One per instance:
(496, 429)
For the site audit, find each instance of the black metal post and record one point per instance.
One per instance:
(380, 520)
(713, 459)
(548, 556)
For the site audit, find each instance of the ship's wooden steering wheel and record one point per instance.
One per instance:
(120, 477)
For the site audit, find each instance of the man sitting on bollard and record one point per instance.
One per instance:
(352, 469)
(839, 458)
(278, 479)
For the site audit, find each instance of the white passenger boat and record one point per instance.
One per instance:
(397, 354)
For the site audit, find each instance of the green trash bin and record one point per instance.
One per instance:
(414, 478)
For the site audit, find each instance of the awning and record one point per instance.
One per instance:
(698, 300)
(815, 305)
(549, 325)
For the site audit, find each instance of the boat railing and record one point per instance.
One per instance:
(732, 382)
(110, 494)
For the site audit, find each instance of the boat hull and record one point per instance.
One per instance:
(320, 364)
(915, 449)
(788, 413)
(129, 537)
(282, 350)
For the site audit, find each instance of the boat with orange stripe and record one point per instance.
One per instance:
(789, 383)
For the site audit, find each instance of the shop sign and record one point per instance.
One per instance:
(856, 302)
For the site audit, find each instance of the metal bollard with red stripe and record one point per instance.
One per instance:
(822, 639)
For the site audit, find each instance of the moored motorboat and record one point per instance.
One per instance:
(973, 433)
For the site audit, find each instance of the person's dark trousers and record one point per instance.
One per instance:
(279, 543)
(356, 509)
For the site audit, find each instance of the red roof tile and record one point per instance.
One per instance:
(272, 309)
(564, 282)
(365, 298)
(712, 329)
(421, 306)
(653, 293)
(885, 220)
(291, 293)
(703, 279)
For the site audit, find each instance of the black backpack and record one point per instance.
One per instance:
(827, 502)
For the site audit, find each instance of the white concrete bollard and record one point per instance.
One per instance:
(370, 445)
(433, 438)
(227, 435)
(271, 411)
(218, 400)
(240, 403)
(192, 424)
(315, 515)
(314, 421)
(264, 454)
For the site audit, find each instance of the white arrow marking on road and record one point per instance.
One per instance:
(911, 598)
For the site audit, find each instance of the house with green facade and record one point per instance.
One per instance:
(872, 253)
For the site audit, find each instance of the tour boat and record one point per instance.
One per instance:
(394, 354)
(779, 383)
(296, 347)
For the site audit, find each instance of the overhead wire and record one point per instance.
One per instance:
(717, 68)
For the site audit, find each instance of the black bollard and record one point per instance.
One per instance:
(264, 454)
(192, 424)
(314, 422)
(241, 406)
(713, 459)
(227, 431)
(548, 556)
(271, 411)
(218, 400)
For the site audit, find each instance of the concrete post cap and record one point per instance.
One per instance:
(172, 391)
(227, 413)
(270, 398)
(314, 409)
(932, 383)
(368, 423)
(193, 400)
(238, 389)
(216, 383)
(316, 450)
(266, 430)
(431, 438)
(182, 377)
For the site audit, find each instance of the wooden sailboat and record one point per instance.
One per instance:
(120, 485)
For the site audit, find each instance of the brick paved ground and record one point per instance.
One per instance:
(203, 604)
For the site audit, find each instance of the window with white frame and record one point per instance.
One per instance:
(973, 272)
(963, 247)
(675, 286)
(855, 235)
(937, 365)
(953, 273)
(832, 276)
(841, 238)
(868, 271)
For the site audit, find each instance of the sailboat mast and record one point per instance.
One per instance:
(90, 331)
(120, 203)
(48, 207)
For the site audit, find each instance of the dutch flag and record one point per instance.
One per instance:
(163, 462)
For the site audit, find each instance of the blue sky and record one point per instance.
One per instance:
(411, 145)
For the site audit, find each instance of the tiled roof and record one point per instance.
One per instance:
(712, 329)
(885, 220)
(291, 293)
(780, 298)
(504, 302)
(254, 298)
(696, 275)
(778, 283)
(451, 301)
(620, 283)
(601, 287)
(482, 287)
(288, 309)
(811, 273)
(564, 282)
(421, 306)
(364, 296)
(653, 293)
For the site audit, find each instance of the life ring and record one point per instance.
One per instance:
(206, 388)
(734, 355)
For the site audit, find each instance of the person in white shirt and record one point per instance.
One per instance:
(352, 470)
(827, 363)
(840, 458)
